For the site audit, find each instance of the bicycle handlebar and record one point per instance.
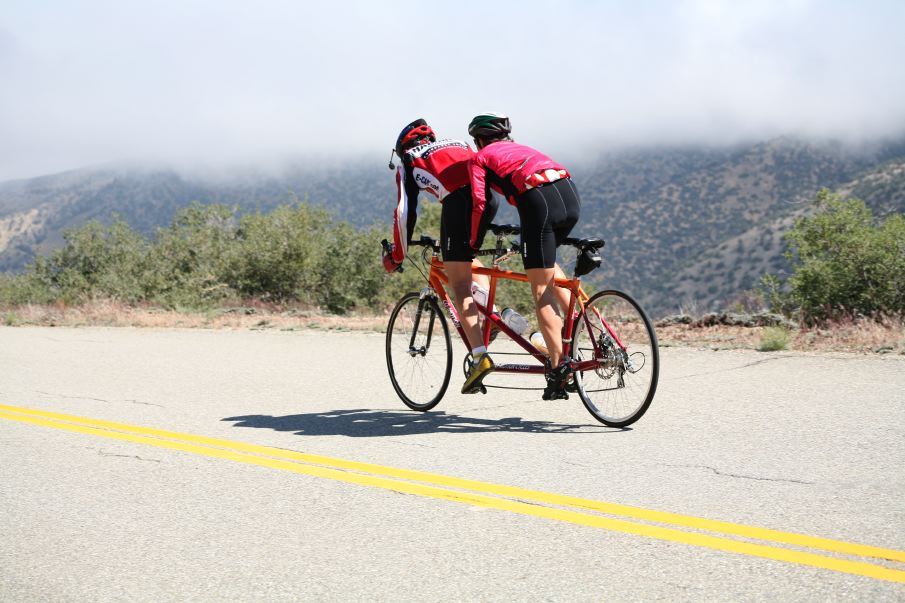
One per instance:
(425, 241)
(501, 230)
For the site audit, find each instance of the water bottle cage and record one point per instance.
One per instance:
(503, 253)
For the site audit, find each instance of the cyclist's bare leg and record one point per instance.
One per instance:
(562, 295)
(460, 276)
(545, 302)
(481, 279)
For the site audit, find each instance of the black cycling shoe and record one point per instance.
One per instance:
(571, 385)
(556, 383)
(555, 391)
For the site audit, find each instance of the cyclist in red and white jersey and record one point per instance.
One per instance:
(548, 205)
(440, 167)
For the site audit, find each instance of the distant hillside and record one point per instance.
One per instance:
(737, 263)
(34, 213)
(684, 226)
(694, 228)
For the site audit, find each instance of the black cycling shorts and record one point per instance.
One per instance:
(455, 225)
(547, 213)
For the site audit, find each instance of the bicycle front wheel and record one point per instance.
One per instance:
(621, 387)
(419, 351)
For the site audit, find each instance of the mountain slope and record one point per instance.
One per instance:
(35, 213)
(694, 228)
(716, 276)
(684, 226)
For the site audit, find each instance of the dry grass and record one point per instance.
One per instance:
(865, 336)
(111, 314)
(886, 336)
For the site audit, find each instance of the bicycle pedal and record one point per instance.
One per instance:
(476, 389)
(555, 395)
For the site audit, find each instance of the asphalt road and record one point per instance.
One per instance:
(805, 445)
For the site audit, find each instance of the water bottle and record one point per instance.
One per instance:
(514, 320)
(538, 341)
(479, 293)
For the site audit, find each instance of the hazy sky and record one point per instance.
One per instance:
(223, 82)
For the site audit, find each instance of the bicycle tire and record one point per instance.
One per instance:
(613, 393)
(418, 353)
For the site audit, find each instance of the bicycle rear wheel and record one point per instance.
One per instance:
(619, 391)
(418, 351)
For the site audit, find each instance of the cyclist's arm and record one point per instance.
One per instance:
(479, 191)
(406, 213)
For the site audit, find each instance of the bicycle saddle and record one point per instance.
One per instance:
(584, 244)
(505, 229)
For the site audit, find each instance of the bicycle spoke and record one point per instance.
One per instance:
(615, 331)
(419, 356)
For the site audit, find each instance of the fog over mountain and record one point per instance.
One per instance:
(208, 86)
(686, 227)
(696, 129)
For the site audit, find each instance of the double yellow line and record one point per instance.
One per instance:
(578, 511)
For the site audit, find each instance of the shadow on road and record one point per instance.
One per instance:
(368, 423)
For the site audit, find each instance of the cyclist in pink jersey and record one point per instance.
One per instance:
(440, 167)
(548, 205)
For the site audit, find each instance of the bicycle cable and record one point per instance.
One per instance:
(418, 267)
(526, 389)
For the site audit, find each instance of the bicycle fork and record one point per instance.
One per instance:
(419, 314)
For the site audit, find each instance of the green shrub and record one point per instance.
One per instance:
(191, 261)
(844, 264)
(774, 339)
(350, 274)
(22, 289)
(96, 261)
(212, 255)
(280, 254)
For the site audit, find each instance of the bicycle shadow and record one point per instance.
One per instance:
(369, 423)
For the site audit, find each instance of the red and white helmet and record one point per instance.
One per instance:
(414, 134)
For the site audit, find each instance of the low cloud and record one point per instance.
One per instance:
(234, 83)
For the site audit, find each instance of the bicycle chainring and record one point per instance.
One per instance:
(467, 365)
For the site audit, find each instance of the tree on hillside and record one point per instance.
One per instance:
(97, 261)
(844, 263)
(214, 256)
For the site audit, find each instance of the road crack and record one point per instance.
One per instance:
(740, 476)
(496, 407)
(144, 403)
(733, 368)
(577, 464)
(96, 399)
(128, 456)
(412, 444)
